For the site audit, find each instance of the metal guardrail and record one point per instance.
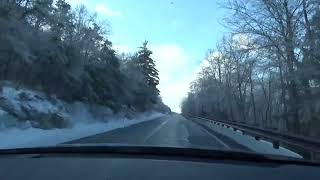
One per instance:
(310, 144)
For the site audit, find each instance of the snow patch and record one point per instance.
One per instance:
(34, 137)
(36, 100)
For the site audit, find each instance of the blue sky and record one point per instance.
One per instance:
(179, 33)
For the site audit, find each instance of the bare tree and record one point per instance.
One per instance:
(268, 67)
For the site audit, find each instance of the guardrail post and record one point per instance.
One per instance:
(276, 144)
(312, 156)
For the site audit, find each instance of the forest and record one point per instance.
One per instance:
(265, 71)
(49, 46)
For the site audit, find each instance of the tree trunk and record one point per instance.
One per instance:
(219, 70)
(229, 91)
(7, 65)
(265, 115)
(270, 97)
(292, 61)
(241, 98)
(252, 98)
(307, 60)
(283, 98)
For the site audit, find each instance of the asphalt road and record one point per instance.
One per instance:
(171, 131)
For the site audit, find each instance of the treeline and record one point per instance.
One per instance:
(266, 72)
(48, 46)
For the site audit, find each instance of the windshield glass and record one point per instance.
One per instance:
(234, 75)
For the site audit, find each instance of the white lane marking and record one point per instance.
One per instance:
(155, 130)
(186, 132)
(216, 138)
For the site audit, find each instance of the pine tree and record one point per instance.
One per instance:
(147, 64)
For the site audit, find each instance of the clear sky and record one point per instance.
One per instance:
(179, 33)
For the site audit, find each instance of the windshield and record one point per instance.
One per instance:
(233, 75)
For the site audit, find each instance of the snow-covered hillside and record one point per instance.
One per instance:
(30, 118)
(24, 107)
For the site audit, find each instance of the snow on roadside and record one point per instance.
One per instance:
(259, 146)
(36, 100)
(34, 137)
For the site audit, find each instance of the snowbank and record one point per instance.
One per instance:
(259, 146)
(30, 99)
(21, 106)
(29, 118)
(33, 137)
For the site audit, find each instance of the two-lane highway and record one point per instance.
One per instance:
(171, 131)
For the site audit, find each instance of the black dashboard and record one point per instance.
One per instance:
(98, 167)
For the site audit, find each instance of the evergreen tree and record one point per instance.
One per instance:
(49, 46)
(148, 66)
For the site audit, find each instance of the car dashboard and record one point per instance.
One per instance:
(147, 163)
